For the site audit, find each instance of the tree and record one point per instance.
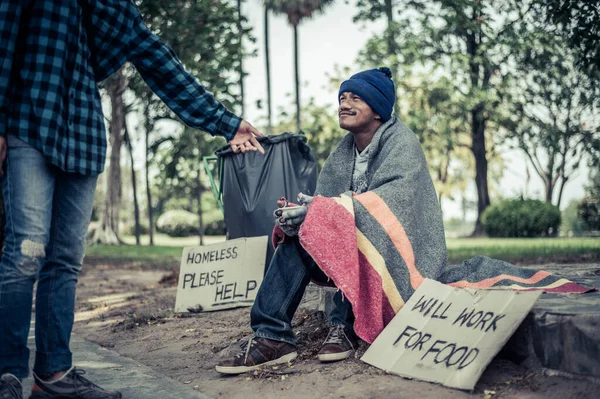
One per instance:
(372, 10)
(432, 112)
(555, 119)
(588, 209)
(207, 37)
(321, 128)
(181, 170)
(268, 72)
(240, 21)
(108, 230)
(136, 207)
(296, 11)
(149, 123)
(470, 43)
(579, 22)
(321, 123)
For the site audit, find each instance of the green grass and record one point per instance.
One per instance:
(523, 250)
(166, 248)
(165, 240)
(142, 253)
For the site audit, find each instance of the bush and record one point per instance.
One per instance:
(571, 225)
(129, 228)
(215, 228)
(178, 223)
(214, 224)
(521, 218)
(588, 210)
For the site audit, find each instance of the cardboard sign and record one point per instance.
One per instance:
(449, 335)
(221, 276)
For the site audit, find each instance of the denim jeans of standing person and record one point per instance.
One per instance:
(281, 291)
(47, 215)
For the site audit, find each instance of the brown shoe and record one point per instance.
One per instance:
(340, 344)
(259, 352)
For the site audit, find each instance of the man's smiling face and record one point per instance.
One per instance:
(354, 113)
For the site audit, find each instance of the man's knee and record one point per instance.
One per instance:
(26, 261)
(68, 258)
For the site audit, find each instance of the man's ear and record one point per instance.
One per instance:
(377, 117)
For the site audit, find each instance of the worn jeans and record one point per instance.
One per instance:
(47, 215)
(281, 291)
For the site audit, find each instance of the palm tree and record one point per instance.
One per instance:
(296, 11)
(241, 70)
(268, 70)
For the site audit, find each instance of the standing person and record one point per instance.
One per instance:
(53, 140)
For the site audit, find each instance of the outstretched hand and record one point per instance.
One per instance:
(245, 139)
(291, 221)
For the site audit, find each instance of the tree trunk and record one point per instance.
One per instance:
(268, 68)
(199, 193)
(391, 49)
(296, 69)
(560, 191)
(136, 208)
(481, 164)
(108, 231)
(148, 127)
(478, 147)
(391, 43)
(549, 188)
(464, 204)
(239, 26)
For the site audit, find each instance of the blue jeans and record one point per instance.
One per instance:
(281, 291)
(47, 215)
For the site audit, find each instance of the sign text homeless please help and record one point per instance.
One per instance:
(222, 275)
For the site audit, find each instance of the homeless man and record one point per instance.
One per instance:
(374, 229)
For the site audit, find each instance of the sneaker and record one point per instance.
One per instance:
(259, 352)
(10, 387)
(340, 344)
(73, 385)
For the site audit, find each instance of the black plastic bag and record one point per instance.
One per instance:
(252, 183)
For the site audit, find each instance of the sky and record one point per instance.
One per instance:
(332, 38)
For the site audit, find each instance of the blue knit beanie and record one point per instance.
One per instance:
(376, 87)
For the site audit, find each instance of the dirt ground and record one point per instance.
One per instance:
(127, 307)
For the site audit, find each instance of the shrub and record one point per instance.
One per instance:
(588, 211)
(521, 218)
(129, 228)
(571, 223)
(178, 223)
(214, 224)
(215, 228)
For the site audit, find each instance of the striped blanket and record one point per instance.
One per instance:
(380, 245)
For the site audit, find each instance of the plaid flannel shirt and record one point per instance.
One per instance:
(52, 54)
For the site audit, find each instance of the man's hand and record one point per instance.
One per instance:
(245, 139)
(3, 149)
(291, 221)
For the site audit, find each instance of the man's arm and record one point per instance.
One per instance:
(166, 76)
(10, 16)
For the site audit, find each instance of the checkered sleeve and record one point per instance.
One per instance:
(10, 15)
(167, 77)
